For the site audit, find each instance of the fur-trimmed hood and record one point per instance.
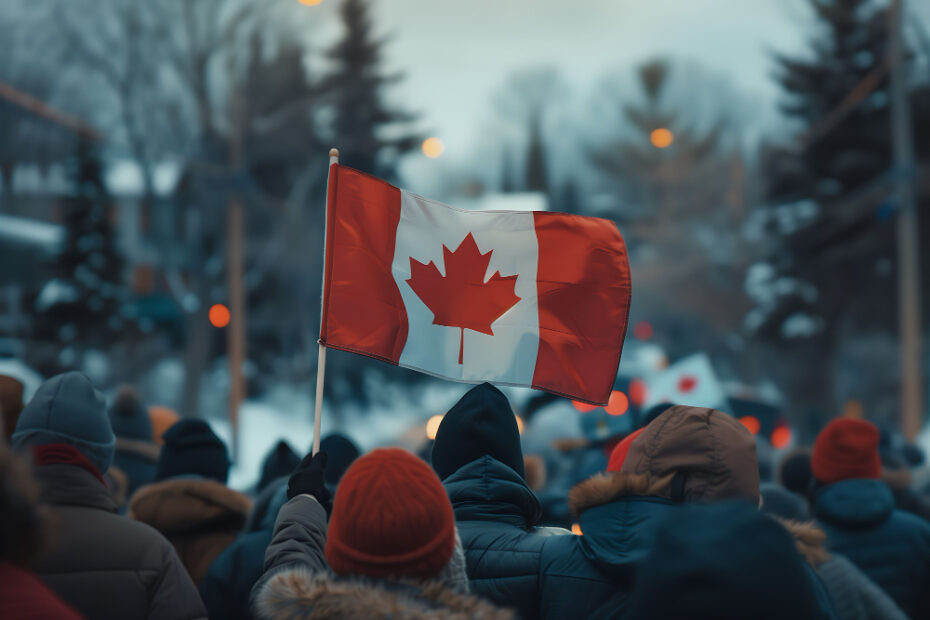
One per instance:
(609, 487)
(187, 504)
(298, 594)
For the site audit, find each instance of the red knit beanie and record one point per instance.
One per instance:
(391, 517)
(846, 448)
(615, 462)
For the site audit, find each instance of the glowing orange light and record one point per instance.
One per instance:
(432, 426)
(781, 437)
(618, 403)
(661, 138)
(576, 529)
(310, 2)
(219, 315)
(433, 147)
(583, 407)
(853, 409)
(638, 392)
(642, 330)
(751, 423)
(519, 424)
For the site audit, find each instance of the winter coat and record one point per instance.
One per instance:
(200, 517)
(620, 516)
(23, 596)
(105, 565)
(138, 460)
(225, 588)
(297, 582)
(891, 547)
(854, 596)
(541, 572)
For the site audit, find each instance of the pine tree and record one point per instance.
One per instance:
(833, 261)
(355, 91)
(83, 304)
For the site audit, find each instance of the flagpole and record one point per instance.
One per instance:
(321, 359)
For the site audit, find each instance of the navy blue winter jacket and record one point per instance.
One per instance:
(890, 546)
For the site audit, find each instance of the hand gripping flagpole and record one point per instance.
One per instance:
(321, 359)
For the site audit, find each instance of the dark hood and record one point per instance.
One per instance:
(481, 423)
(860, 502)
(488, 490)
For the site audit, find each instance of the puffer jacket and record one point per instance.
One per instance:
(105, 565)
(891, 547)
(541, 572)
(225, 588)
(200, 517)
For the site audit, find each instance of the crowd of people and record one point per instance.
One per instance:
(123, 511)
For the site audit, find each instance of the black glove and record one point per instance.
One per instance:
(307, 478)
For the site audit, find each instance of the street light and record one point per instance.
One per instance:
(661, 137)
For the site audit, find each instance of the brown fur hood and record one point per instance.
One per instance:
(298, 594)
(604, 488)
(181, 504)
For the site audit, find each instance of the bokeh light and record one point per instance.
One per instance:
(618, 403)
(751, 423)
(519, 424)
(638, 392)
(432, 426)
(219, 315)
(781, 437)
(583, 407)
(642, 330)
(576, 529)
(661, 138)
(310, 2)
(433, 147)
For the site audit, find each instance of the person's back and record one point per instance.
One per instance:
(102, 564)
(511, 562)
(189, 502)
(857, 511)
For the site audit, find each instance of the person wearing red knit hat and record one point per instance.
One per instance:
(390, 547)
(857, 512)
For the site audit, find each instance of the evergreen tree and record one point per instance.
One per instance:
(833, 264)
(83, 304)
(673, 182)
(370, 133)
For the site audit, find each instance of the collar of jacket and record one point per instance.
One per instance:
(181, 505)
(488, 490)
(859, 502)
(296, 592)
(72, 485)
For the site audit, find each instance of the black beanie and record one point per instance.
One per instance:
(193, 449)
(481, 423)
(340, 453)
(280, 461)
(723, 561)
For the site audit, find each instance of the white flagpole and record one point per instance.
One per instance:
(321, 359)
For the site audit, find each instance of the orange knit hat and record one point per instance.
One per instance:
(391, 517)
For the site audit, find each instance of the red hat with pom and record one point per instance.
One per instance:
(846, 448)
(391, 517)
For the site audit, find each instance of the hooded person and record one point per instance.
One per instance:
(511, 561)
(24, 531)
(189, 501)
(102, 564)
(136, 452)
(687, 455)
(857, 511)
(408, 565)
(280, 461)
(341, 452)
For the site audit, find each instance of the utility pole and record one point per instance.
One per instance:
(909, 314)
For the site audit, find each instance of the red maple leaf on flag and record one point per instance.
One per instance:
(462, 298)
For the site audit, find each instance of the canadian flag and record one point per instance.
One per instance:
(513, 297)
